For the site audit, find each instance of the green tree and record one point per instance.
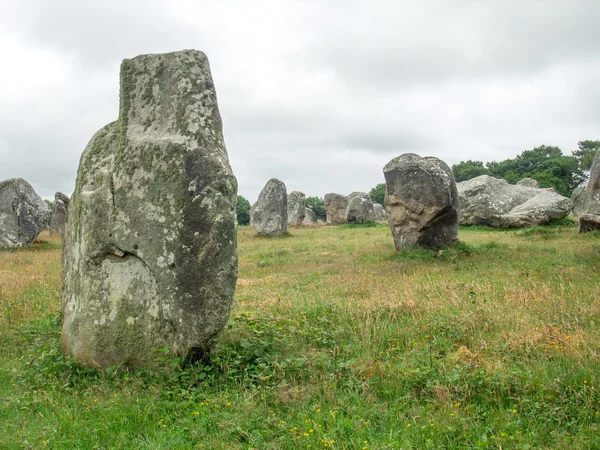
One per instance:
(545, 164)
(585, 154)
(378, 193)
(317, 205)
(243, 210)
(465, 170)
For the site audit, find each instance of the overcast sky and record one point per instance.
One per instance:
(320, 94)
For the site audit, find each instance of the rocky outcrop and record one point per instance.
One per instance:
(310, 217)
(150, 249)
(270, 214)
(421, 202)
(578, 199)
(590, 217)
(60, 213)
(528, 182)
(335, 208)
(494, 202)
(296, 208)
(539, 210)
(23, 214)
(379, 214)
(359, 208)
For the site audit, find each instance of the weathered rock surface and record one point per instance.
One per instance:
(494, 202)
(590, 218)
(296, 208)
(23, 214)
(421, 202)
(539, 210)
(60, 213)
(359, 208)
(270, 214)
(150, 249)
(379, 214)
(310, 217)
(528, 182)
(578, 199)
(335, 208)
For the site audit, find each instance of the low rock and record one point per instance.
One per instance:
(421, 202)
(296, 208)
(379, 214)
(270, 214)
(359, 208)
(335, 208)
(539, 210)
(23, 214)
(310, 217)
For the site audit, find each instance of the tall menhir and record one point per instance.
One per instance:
(150, 250)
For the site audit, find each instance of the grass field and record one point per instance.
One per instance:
(336, 341)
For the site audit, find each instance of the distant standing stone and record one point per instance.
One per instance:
(252, 209)
(60, 213)
(335, 208)
(379, 213)
(359, 208)
(296, 208)
(421, 202)
(270, 214)
(590, 219)
(23, 214)
(310, 218)
(150, 249)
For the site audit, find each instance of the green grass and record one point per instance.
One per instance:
(336, 341)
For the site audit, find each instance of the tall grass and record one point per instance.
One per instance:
(335, 341)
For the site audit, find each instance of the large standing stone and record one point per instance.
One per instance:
(23, 214)
(590, 219)
(60, 213)
(359, 208)
(296, 208)
(310, 217)
(150, 251)
(270, 214)
(578, 199)
(379, 213)
(494, 202)
(421, 201)
(335, 208)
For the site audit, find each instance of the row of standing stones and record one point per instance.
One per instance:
(150, 244)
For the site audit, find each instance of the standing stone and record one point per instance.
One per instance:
(590, 219)
(421, 201)
(296, 208)
(270, 214)
(252, 209)
(528, 182)
(359, 208)
(150, 248)
(60, 213)
(23, 214)
(379, 213)
(310, 218)
(578, 199)
(335, 208)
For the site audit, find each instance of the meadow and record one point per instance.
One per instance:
(336, 341)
